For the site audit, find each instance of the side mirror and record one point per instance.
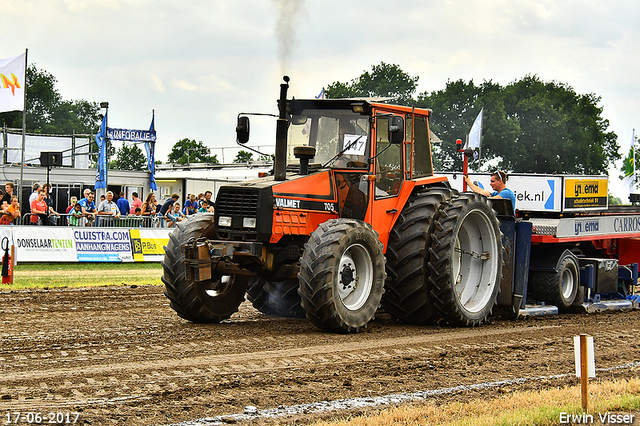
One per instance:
(242, 130)
(396, 129)
(298, 120)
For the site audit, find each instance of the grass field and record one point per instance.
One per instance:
(609, 401)
(52, 275)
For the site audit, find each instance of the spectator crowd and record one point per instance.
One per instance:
(110, 211)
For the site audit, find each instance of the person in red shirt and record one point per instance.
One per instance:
(12, 212)
(136, 203)
(39, 209)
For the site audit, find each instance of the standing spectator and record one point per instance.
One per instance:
(49, 200)
(206, 208)
(88, 206)
(102, 198)
(207, 197)
(36, 187)
(148, 208)
(39, 209)
(11, 213)
(190, 206)
(174, 215)
(6, 198)
(123, 204)
(136, 203)
(167, 207)
(76, 215)
(74, 201)
(109, 209)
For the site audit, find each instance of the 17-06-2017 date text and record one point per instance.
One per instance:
(36, 417)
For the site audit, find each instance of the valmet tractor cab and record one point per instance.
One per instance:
(351, 218)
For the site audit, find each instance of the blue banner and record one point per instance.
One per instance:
(150, 147)
(132, 135)
(101, 174)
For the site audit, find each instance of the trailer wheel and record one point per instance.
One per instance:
(465, 265)
(560, 287)
(407, 295)
(276, 297)
(206, 301)
(342, 275)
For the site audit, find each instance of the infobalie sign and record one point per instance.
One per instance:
(131, 135)
(58, 244)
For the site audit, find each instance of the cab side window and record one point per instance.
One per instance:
(388, 164)
(421, 149)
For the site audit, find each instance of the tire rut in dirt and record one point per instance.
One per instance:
(407, 296)
(342, 273)
(207, 301)
(466, 260)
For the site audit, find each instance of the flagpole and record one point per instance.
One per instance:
(24, 123)
(633, 148)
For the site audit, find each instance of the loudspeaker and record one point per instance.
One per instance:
(50, 159)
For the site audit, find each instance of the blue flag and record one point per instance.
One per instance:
(101, 141)
(150, 147)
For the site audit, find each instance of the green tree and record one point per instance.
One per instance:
(531, 126)
(384, 80)
(187, 151)
(48, 113)
(243, 157)
(130, 158)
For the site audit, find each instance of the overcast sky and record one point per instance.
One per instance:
(199, 63)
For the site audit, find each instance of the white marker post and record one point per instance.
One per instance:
(585, 364)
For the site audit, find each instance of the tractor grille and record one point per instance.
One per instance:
(237, 202)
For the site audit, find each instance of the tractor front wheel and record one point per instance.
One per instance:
(342, 273)
(206, 301)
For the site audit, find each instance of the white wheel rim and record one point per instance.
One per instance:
(475, 261)
(215, 293)
(354, 279)
(567, 283)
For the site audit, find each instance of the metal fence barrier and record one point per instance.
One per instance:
(130, 221)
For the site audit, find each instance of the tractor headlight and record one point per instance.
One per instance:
(224, 221)
(249, 222)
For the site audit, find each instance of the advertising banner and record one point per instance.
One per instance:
(44, 244)
(533, 193)
(103, 245)
(585, 193)
(148, 245)
(79, 244)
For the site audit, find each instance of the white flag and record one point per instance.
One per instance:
(12, 83)
(629, 169)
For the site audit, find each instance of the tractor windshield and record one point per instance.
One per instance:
(331, 132)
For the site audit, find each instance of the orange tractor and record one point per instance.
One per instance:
(352, 218)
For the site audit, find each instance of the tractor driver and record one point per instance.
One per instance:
(498, 184)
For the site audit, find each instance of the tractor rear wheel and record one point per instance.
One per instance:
(205, 301)
(466, 260)
(342, 273)
(258, 297)
(276, 297)
(407, 295)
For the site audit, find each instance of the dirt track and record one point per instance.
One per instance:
(120, 355)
